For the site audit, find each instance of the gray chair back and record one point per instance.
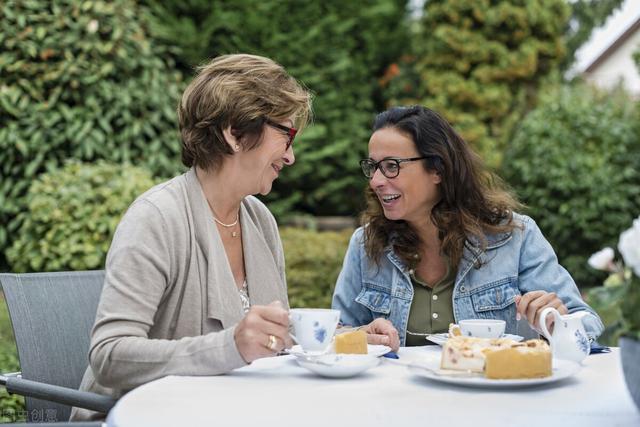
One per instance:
(52, 316)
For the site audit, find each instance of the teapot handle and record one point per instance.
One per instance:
(542, 322)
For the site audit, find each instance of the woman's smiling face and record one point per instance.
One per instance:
(264, 163)
(410, 195)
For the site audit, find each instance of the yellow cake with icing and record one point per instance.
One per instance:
(530, 359)
(497, 358)
(354, 342)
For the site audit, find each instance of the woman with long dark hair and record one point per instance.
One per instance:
(441, 241)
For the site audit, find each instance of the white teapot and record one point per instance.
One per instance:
(569, 339)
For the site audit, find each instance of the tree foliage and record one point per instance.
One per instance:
(575, 161)
(79, 80)
(337, 48)
(479, 64)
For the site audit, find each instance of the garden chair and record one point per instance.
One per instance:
(52, 315)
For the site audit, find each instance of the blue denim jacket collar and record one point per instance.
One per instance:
(472, 252)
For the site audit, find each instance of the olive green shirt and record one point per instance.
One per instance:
(431, 308)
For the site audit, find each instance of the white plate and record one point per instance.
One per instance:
(431, 369)
(372, 349)
(441, 338)
(339, 365)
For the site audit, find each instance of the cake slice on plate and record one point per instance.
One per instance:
(497, 358)
(529, 359)
(354, 342)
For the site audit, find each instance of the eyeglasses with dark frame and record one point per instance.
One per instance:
(291, 132)
(390, 167)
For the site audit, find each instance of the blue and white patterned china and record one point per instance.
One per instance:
(569, 340)
(313, 328)
(482, 328)
(339, 365)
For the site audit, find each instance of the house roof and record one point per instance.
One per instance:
(614, 46)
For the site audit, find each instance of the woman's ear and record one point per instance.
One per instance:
(437, 179)
(230, 139)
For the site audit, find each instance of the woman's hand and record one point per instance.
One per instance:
(381, 331)
(254, 333)
(531, 304)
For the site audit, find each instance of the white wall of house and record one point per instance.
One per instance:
(619, 66)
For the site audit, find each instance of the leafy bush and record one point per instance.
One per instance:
(337, 48)
(479, 63)
(72, 214)
(80, 80)
(575, 161)
(313, 260)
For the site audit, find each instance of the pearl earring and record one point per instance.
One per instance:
(237, 147)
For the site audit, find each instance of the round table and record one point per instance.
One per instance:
(278, 392)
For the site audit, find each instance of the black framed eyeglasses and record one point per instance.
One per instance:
(291, 132)
(390, 167)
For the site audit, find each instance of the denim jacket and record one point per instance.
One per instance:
(485, 286)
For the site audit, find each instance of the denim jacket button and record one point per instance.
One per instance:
(462, 288)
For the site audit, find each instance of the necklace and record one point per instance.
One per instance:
(226, 225)
(233, 224)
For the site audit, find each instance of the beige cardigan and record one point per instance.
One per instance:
(170, 304)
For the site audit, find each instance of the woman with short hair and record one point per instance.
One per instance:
(195, 278)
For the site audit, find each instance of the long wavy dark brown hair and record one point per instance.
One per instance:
(474, 202)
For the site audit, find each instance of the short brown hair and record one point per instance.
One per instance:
(240, 91)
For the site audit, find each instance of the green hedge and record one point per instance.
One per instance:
(72, 214)
(338, 48)
(575, 161)
(313, 260)
(80, 80)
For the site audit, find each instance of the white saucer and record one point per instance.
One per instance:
(372, 349)
(339, 365)
(441, 338)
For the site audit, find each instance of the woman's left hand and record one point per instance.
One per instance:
(531, 304)
(381, 331)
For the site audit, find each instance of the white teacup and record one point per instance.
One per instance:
(313, 328)
(482, 328)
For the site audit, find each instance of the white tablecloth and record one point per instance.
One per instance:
(277, 392)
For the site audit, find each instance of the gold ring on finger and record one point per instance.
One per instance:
(271, 345)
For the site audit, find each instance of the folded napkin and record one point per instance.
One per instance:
(597, 348)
